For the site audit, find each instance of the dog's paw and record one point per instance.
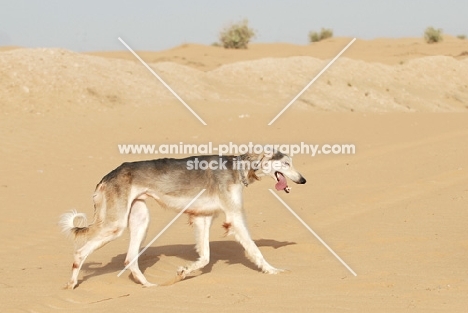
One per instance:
(274, 271)
(148, 285)
(182, 272)
(70, 285)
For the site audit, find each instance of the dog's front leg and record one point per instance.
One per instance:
(238, 227)
(202, 226)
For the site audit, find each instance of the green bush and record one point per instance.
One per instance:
(432, 35)
(324, 34)
(462, 37)
(237, 35)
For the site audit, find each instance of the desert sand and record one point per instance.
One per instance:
(395, 211)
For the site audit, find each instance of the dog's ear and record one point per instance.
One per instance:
(265, 157)
(262, 165)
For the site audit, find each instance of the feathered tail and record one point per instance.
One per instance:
(74, 224)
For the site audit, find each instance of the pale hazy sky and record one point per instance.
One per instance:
(89, 25)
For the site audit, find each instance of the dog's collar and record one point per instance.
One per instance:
(240, 167)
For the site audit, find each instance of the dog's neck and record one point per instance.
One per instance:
(251, 176)
(241, 171)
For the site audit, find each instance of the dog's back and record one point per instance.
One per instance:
(167, 180)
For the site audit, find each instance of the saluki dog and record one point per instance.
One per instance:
(119, 201)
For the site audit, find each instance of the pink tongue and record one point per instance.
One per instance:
(282, 183)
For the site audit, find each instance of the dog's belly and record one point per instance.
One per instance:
(201, 206)
(208, 203)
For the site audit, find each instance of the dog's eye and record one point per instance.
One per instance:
(286, 164)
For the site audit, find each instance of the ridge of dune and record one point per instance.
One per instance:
(391, 51)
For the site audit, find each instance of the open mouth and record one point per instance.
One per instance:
(282, 183)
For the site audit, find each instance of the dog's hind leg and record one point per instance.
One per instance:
(104, 236)
(79, 258)
(138, 224)
(202, 226)
(97, 236)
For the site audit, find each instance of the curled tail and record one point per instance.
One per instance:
(74, 224)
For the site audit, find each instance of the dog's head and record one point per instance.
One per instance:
(279, 166)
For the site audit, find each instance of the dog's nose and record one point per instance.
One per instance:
(302, 180)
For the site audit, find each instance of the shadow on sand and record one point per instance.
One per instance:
(230, 252)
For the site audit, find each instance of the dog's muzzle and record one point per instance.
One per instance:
(301, 181)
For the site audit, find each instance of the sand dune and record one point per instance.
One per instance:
(45, 79)
(395, 211)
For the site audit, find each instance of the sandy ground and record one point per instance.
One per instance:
(395, 211)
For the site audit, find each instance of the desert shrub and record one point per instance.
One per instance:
(324, 34)
(462, 37)
(432, 35)
(237, 35)
(314, 37)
